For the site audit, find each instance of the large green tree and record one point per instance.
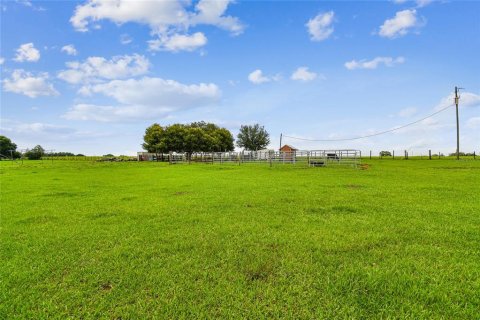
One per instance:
(194, 137)
(253, 137)
(8, 148)
(154, 139)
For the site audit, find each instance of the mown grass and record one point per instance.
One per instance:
(400, 239)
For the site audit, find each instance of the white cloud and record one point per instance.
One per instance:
(23, 82)
(167, 19)
(69, 49)
(320, 27)
(400, 25)
(257, 77)
(178, 42)
(144, 98)
(95, 68)
(467, 99)
(27, 52)
(473, 122)
(125, 39)
(157, 92)
(374, 63)
(2, 60)
(302, 74)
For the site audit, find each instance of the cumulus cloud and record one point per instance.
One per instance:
(95, 68)
(178, 42)
(303, 74)
(26, 83)
(320, 27)
(2, 60)
(27, 52)
(69, 49)
(143, 98)
(257, 77)
(400, 25)
(167, 19)
(374, 63)
(467, 99)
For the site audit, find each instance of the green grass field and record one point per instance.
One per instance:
(88, 240)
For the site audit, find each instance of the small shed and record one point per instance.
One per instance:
(288, 148)
(288, 153)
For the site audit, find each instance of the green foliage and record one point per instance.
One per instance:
(462, 154)
(253, 137)
(90, 240)
(109, 155)
(194, 137)
(36, 153)
(8, 148)
(61, 154)
(385, 154)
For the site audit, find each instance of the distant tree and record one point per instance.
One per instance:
(61, 154)
(385, 154)
(461, 154)
(36, 153)
(108, 155)
(80, 155)
(253, 137)
(8, 148)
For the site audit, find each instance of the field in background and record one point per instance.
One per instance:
(83, 239)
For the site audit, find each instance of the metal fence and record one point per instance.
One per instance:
(314, 158)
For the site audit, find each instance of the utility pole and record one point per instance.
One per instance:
(280, 141)
(458, 127)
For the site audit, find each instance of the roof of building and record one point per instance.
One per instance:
(289, 146)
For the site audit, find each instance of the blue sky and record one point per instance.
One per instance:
(90, 76)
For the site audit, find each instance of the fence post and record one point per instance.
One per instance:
(370, 154)
(169, 157)
(429, 154)
(406, 156)
(393, 154)
(473, 155)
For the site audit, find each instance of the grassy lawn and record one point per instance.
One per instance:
(400, 239)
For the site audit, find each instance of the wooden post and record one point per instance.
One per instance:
(429, 154)
(473, 155)
(406, 156)
(370, 154)
(308, 158)
(169, 157)
(393, 154)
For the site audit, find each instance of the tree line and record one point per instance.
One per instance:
(202, 136)
(194, 137)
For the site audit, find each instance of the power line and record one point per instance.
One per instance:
(374, 134)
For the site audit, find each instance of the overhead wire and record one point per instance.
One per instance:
(374, 134)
